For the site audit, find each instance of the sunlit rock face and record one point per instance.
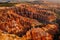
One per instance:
(29, 22)
(44, 33)
(11, 22)
(6, 36)
(36, 13)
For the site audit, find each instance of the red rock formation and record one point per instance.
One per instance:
(6, 36)
(35, 13)
(27, 22)
(44, 33)
(14, 23)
